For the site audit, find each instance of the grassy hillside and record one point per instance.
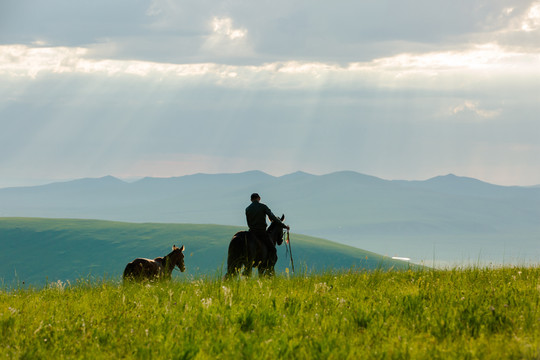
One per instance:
(448, 219)
(38, 250)
(454, 314)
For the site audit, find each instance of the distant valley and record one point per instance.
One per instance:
(447, 220)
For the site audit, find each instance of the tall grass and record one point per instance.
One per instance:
(476, 313)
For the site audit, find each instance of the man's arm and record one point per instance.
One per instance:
(271, 216)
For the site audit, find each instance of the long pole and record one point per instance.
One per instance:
(290, 251)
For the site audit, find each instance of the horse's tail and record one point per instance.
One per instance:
(238, 254)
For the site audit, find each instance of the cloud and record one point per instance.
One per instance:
(227, 40)
(471, 107)
(223, 28)
(253, 32)
(429, 70)
(24, 61)
(531, 22)
(359, 86)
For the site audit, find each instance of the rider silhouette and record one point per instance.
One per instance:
(256, 219)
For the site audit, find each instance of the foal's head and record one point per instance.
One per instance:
(177, 257)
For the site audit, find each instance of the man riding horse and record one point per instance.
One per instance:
(256, 214)
(256, 248)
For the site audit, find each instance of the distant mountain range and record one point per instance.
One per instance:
(444, 220)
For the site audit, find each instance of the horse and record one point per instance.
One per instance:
(245, 250)
(158, 269)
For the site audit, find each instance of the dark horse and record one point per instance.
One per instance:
(245, 250)
(157, 269)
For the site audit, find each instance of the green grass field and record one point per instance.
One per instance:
(471, 313)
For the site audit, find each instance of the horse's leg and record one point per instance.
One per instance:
(232, 270)
(266, 271)
(247, 270)
(262, 270)
(249, 262)
(234, 265)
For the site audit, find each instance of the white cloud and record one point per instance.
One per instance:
(531, 21)
(472, 107)
(487, 61)
(24, 61)
(508, 11)
(485, 56)
(223, 27)
(226, 40)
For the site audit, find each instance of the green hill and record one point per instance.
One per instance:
(36, 250)
(443, 221)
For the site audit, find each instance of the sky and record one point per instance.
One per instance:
(390, 88)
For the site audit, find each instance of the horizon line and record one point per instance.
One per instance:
(134, 179)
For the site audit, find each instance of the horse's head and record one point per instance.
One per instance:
(275, 230)
(177, 257)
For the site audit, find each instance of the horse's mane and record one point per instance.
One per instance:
(273, 224)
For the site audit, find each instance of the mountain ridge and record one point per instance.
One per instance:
(451, 216)
(263, 174)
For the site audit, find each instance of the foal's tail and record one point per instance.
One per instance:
(129, 271)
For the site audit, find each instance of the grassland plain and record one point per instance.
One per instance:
(470, 313)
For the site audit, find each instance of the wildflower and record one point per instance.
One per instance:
(206, 302)
(227, 295)
(59, 285)
(341, 302)
(321, 288)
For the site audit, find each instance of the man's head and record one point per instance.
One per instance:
(255, 197)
